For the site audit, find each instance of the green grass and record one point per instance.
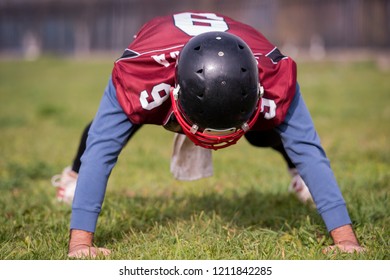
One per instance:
(243, 212)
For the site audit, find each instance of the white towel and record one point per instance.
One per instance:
(190, 162)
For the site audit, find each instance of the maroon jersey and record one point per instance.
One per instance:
(145, 73)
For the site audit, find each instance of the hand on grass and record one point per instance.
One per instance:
(80, 245)
(344, 247)
(344, 240)
(84, 251)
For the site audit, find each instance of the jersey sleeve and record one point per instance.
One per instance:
(108, 134)
(303, 146)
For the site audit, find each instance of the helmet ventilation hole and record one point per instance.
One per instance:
(197, 48)
(200, 71)
(243, 69)
(241, 47)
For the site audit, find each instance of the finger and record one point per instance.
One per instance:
(351, 249)
(329, 249)
(343, 248)
(90, 252)
(103, 251)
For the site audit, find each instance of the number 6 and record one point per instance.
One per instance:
(197, 23)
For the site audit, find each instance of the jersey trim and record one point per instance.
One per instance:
(275, 55)
(136, 54)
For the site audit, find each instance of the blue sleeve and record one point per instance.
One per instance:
(106, 138)
(303, 146)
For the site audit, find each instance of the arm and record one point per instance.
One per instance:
(107, 136)
(303, 146)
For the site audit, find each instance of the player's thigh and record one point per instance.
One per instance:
(267, 138)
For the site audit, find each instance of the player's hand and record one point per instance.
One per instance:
(344, 247)
(84, 251)
(344, 240)
(80, 245)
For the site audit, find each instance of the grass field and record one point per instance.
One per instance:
(243, 212)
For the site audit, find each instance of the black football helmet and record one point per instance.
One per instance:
(217, 94)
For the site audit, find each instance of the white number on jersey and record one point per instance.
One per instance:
(271, 108)
(197, 23)
(160, 93)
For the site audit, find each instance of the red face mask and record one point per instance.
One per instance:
(212, 138)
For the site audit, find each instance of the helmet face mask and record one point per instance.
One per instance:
(217, 94)
(211, 138)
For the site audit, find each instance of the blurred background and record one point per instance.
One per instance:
(55, 59)
(301, 28)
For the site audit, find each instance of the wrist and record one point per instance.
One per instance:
(80, 238)
(344, 235)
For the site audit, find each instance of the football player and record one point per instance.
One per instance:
(213, 80)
